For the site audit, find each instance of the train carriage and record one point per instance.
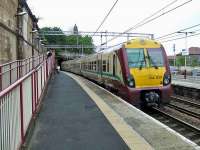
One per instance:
(137, 70)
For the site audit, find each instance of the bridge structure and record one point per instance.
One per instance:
(67, 55)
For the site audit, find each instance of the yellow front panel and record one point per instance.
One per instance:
(140, 43)
(148, 77)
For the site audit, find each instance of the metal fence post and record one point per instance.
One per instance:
(22, 113)
(0, 78)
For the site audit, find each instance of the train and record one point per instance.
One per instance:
(137, 70)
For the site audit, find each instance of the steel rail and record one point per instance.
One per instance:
(185, 101)
(189, 126)
(185, 111)
(187, 130)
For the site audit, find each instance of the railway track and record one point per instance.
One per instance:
(186, 101)
(187, 130)
(185, 106)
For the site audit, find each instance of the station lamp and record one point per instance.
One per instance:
(21, 13)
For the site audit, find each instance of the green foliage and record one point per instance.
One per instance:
(180, 61)
(194, 62)
(54, 40)
(191, 61)
(67, 40)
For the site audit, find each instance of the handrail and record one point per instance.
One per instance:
(5, 64)
(12, 86)
(19, 103)
(12, 71)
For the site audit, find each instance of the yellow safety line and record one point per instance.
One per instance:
(130, 137)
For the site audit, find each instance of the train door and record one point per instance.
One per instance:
(99, 65)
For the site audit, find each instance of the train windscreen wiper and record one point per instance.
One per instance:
(141, 64)
(153, 63)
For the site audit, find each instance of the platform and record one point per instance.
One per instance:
(189, 82)
(70, 120)
(78, 114)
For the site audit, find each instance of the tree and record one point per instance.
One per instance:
(51, 39)
(180, 61)
(194, 62)
(67, 40)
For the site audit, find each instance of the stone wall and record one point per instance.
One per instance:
(8, 41)
(13, 46)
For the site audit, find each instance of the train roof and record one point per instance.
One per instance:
(134, 43)
(142, 43)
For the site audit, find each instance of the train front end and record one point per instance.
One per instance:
(148, 79)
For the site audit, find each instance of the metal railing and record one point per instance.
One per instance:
(20, 101)
(11, 72)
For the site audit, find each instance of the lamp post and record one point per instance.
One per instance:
(174, 49)
(186, 50)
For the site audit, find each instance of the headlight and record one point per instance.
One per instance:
(131, 81)
(166, 79)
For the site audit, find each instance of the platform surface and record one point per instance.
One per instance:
(79, 115)
(190, 82)
(70, 120)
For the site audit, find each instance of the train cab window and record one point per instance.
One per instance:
(136, 58)
(155, 57)
(104, 65)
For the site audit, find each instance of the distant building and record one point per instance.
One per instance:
(194, 55)
(75, 30)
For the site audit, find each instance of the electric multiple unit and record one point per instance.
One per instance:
(137, 70)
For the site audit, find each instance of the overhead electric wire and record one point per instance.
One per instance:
(105, 17)
(177, 31)
(181, 38)
(176, 35)
(143, 22)
(152, 15)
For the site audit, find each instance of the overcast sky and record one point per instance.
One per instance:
(88, 14)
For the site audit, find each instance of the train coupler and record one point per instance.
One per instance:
(152, 99)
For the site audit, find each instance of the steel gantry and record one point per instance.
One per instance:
(100, 34)
(91, 34)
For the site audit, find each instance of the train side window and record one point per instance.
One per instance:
(95, 65)
(114, 64)
(90, 66)
(108, 65)
(104, 65)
